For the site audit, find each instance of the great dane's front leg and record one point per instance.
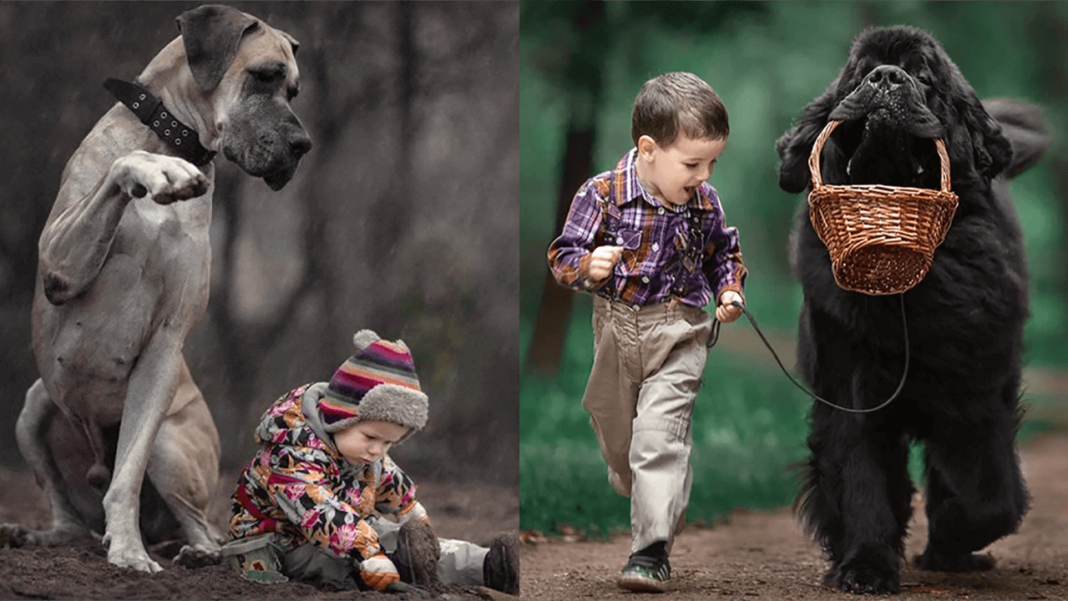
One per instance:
(184, 467)
(78, 236)
(152, 386)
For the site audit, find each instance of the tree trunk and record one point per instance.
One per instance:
(547, 343)
(583, 78)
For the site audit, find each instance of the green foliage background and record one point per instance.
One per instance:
(767, 61)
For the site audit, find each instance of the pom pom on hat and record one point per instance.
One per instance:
(365, 338)
(377, 383)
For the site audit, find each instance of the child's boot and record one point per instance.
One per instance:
(256, 558)
(501, 567)
(417, 554)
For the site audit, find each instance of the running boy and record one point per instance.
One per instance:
(649, 239)
(319, 487)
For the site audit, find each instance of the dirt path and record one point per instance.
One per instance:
(80, 571)
(766, 556)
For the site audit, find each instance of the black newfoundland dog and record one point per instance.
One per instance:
(897, 91)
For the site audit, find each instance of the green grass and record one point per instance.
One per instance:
(749, 425)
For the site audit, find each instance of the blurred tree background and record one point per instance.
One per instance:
(402, 219)
(581, 65)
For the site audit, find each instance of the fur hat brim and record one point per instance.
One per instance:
(388, 403)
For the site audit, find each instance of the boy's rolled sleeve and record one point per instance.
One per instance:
(723, 261)
(569, 254)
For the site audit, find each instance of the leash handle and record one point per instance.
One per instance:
(714, 337)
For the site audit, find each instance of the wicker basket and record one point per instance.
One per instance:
(881, 238)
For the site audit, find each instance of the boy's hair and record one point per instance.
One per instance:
(678, 102)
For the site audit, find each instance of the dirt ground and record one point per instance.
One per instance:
(757, 555)
(467, 511)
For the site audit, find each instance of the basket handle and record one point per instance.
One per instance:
(817, 148)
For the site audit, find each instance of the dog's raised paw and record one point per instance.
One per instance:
(166, 179)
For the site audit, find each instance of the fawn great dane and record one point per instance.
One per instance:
(123, 276)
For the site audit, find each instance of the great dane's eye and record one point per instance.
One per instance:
(268, 73)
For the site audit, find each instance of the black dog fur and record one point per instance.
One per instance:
(898, 90)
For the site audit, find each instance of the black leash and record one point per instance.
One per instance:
(714, 337)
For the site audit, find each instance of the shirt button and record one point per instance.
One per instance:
(619, 239)
(656, 247)
(645, 279)
(660, 211)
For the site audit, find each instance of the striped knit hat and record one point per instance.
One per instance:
(377, 383)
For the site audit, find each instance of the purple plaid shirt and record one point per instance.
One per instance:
(685, 252)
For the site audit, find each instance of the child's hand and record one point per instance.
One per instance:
(726, 312)
(602, 260)
(378, 572)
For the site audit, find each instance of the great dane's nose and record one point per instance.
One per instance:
(300, 142)
(887, 76)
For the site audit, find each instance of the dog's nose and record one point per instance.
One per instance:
(300, 143)
(887, 76)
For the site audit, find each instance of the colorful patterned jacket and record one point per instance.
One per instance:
(299, 486)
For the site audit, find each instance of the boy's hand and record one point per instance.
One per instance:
(726, 312)
(602, 260)
(378, 572)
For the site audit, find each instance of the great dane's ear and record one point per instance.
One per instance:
(796, 144)
(211, 34)
(292, 42)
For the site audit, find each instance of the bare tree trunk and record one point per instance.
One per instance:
(583, 78)
(390, 215)
(547, 343)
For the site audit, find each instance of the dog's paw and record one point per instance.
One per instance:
(163, 178)
(933, 561)
(13, 535)
(866, 573)
(197, 557)
(129, 555)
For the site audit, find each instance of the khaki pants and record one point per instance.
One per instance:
(646, 373)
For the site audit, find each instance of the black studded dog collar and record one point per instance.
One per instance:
(150, 110)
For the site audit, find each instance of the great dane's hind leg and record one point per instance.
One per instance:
(31, 431)
(184, 467)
